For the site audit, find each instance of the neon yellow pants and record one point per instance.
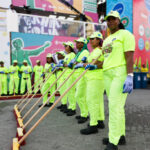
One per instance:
(80, 95)
(25, 82)
(114, 80)
(37, 83)
(13, 85)
(95, 100)
(3, 87)
(45, 87)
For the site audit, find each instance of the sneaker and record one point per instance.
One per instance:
(89, 130)
(101, 125)
(71, 113)
(82, 120)
(122, 141)
(111, 146)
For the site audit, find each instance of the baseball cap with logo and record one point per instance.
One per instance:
(15, 61)
(113, 14)
(69, 44)
(49, 55)
(81, 39)
(61, 52)
(96, 35)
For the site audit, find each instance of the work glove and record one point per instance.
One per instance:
(70, 65)
(26, 72)
(52, 65)
(2, 72)
(53, 68)
(42, 75)
(80, 65)
(12, 72)
(84, 59)
(91, 67)
(61, 61)
(128, 84)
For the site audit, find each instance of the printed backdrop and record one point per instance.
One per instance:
(141, 30)
(50, 5)
(124, 7)
(34, 46)
(5, 48)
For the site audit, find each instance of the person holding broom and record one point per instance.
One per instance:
(118, 49)
(94, 85)
(47, 70)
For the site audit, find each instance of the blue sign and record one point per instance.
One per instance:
(147, 3)
(119, 7)
(125, 9)
(141, 44)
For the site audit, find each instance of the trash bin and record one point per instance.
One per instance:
(137, 80)
(144, 80)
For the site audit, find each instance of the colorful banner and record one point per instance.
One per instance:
(124, 8)
(47, 26)
(50, 5)
(33, 46)
(141, 30)
(5, 48)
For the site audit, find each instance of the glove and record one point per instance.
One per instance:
(128, 85)
(91, 67)
(12, 72)
(53, 68)
(26, 72)
(59, 65)
(2, 72)
(70, 65)
(61, 61)
(52, 65)
(42, 75)
(84, 59)
(80, 65)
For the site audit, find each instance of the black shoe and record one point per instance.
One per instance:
(82, 119)
(71, 113)
(111, 146)
(89, 130)
(66, 110)
(64, 107)
(60, 106)
(11, 94)
(48, 105)
(78, 117)
(101, 125)
(40, 105)
(16, 94)
(4, 95)
(122, 141)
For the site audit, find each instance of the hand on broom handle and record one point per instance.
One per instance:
(46, 113)
(41, 96)
(50, 74)
(47, 100)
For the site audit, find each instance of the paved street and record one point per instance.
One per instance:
(59, 132)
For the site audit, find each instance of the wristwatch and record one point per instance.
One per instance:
(130, 74)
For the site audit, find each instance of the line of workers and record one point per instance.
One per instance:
(112, 70)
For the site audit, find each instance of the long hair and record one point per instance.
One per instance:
(100, 42)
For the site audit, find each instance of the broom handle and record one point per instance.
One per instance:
(36, 86)
(32, 117)
(50, 109)
(42, 95)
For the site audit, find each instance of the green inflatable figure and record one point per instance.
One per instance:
(19, 54)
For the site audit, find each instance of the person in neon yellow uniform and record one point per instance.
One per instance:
(14, 78)
(3, 79)
(118, 49)
(60, 56)
(69, 48)
(26, 71)
(47, 70)
(38, 71)
(94, 86)
(80, 94)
